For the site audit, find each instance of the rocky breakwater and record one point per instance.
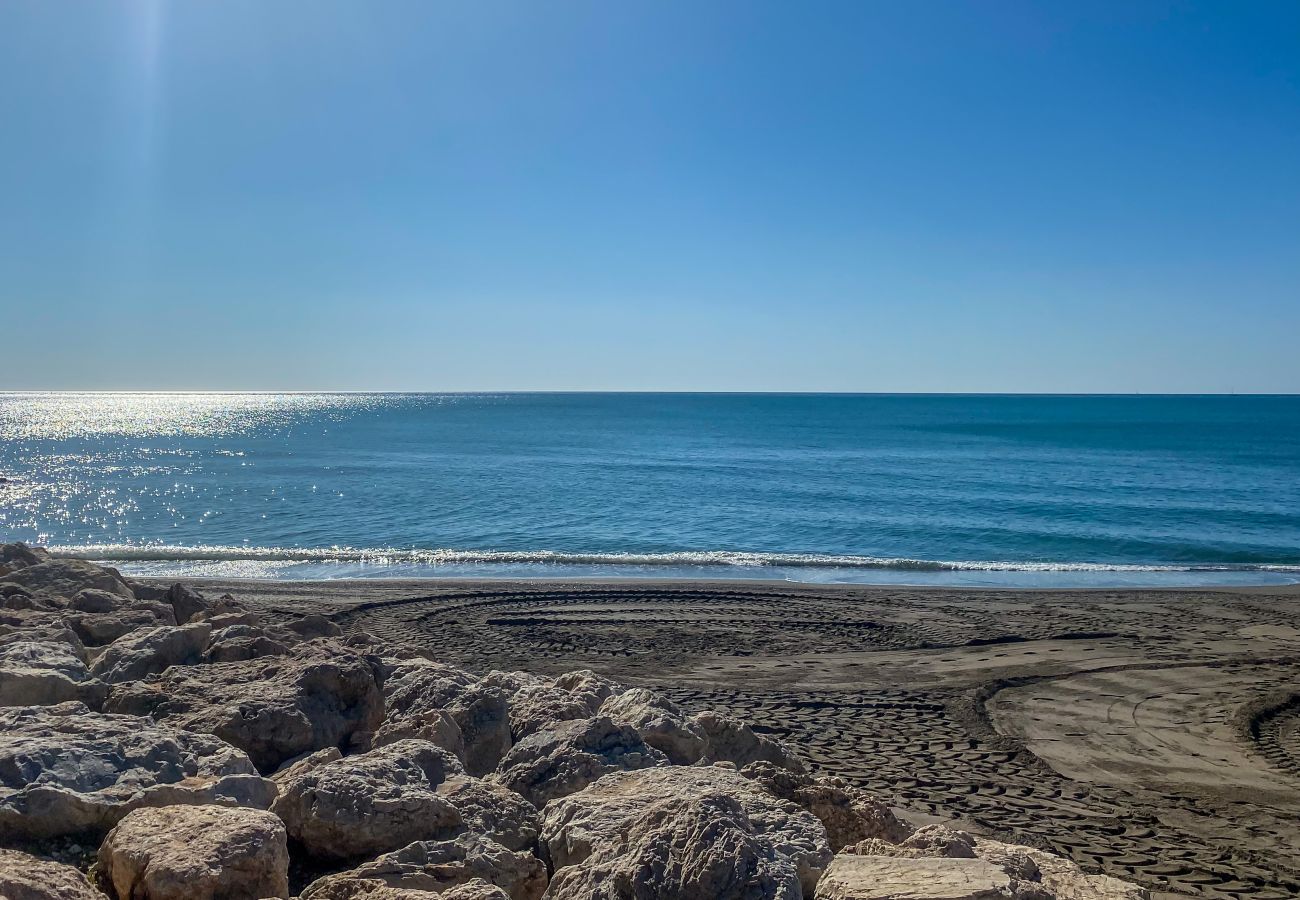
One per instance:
(157, 744)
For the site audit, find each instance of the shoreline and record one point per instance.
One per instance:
(1041, 716)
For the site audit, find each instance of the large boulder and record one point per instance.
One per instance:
(731, 740)
(26, 877)
(237, 643)
(436, 867)
(695, 815)
(150, 651)
(63, 578)
(660, 722)
(537, 703)
(938, 861)
(417, 694)
(195, 853)
(44, 665)
(382, 800)
(850, 814)
(66, 771)
(19, 555)
(99, 628)
(323, 695)
(559, 761)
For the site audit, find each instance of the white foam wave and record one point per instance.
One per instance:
(388, 556)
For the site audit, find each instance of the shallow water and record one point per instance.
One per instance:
(1030, 490)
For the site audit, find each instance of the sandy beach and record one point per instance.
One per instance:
(1154, 735)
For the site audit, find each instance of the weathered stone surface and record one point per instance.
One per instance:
(686, 848)
(371, 803)
(853, 877)
(661, 723)
(436, 867)
(187, 604)
(20, 556)
(65, 577)
(93, 600)
(45, 665)
(850, 814)
(195, 853)
(482, 713)
(492, 810)
(68, 770)
(373, 889)
(314, 626)
(274, 708)
(97, 629)
(631, 816)
(731, 740)
(149, 651)
(238, 643)
(416, 694)
(301, 765)
(26, 877)
(558, 761)
(537, 704)
(941, 855)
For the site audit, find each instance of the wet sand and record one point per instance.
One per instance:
(1150, 734)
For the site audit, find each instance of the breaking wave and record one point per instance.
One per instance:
(388, 556)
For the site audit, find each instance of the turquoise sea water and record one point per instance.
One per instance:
(1041, 490)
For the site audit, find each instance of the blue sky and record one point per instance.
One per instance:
(860, 196)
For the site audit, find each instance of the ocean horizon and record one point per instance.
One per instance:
(1037, 490)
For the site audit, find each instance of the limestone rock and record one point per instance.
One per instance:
(196, 853)
(537, 704)
(492, 810)
(436, 867)
(371, 803)
(558, 761)
(97, 629)
(416, 696)
(314, 626)
(69, 770)
(187, 604)
(482, 713)
(26, 877)
(708, 811)
(850, 815)
(20, 556)
(273, 708)
(853, 877)
(46, 665)
(94, 600)
(661, 723)
(686, 848)
(731, 740)
(63, 578)
(238, 643)
(149, 651)
(1032, 869)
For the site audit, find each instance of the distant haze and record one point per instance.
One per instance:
(838, 196)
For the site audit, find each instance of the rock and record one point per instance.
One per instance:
(97, 629)
(492, 810)
(67, 770)
(93, 600)
(559, 761)
(731, 740)
(314, 626)
(632, 816)
(852, 877)
(187, 604)
(20, 556)
(371, 803)
(537, 704)
(373, 889)
(25, 877)
(63, 578)
(661, 723)
(435, 867)
(195, 853)
(482, 713)
(416, 694)
(850, 815)
(686, 848)
(238, 643)
(150, 651)
(301, 765)
(938, 855)
(44, 666)
(275, 708)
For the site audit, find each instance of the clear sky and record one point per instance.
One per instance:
(862, 196)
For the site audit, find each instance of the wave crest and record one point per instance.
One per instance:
(386, 556)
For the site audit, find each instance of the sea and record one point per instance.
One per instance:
(957, 490)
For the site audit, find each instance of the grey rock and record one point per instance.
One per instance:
(558, 761)
(20, 556)
(69, 770)
(731, 740)
(436, 867)
(64, 578)
(274, 708)
(45, 665)
(98, 629)
(661, 723)
(849, 814)
(151, 650)
(195, 853)
(26, 877)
